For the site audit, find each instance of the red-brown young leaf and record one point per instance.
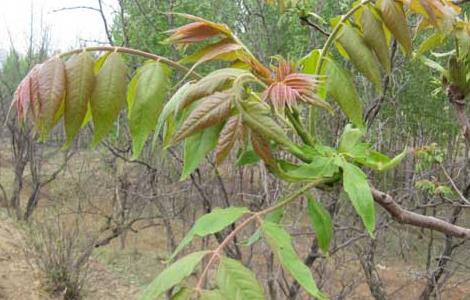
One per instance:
(26, 96)
(51, 87)
(261, 148)
(229, 135)
(290, 87)
(212, 110)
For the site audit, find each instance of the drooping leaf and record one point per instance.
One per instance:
(170, 108)
(146, 102)
(196, 147)
(173, 275)
(51, 88)
(374, 35)
(361, 55)
(109, 95)
(309, 65)
(247, 157)
(225, 50)
(228, 137)
(280, 242)
(211, 223)
(357, 188)
(211, 110)
(80, 80)
(321, 223)
(263, 124)
(216, 81)
(262, 149)
(343, 91)
(395, 20)
(236, 282)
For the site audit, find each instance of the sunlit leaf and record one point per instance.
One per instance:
(395, 20)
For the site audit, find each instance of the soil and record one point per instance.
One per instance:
(21, 280)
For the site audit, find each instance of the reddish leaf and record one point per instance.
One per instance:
(290, 87)
(212, 110)
(231, 132)
(51, 86)
(261, 148)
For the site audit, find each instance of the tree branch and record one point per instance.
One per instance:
(404, 216)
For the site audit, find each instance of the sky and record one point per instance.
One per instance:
(66, 27)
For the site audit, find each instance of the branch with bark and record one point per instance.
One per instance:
(404, 216)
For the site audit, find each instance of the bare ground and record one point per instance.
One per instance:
(20, 280)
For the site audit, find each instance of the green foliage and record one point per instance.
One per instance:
(236, 282)
(321, 223)
(356, 186)
(109, 95)
(280, 242)
(211, 223)
(172, 275)
(145, 100)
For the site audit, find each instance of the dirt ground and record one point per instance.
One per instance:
(19, 280)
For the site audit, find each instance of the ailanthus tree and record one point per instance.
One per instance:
(249, 106)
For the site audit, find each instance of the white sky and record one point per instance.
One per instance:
(66, 27)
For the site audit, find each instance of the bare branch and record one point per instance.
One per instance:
(75, 7)
(404, 216)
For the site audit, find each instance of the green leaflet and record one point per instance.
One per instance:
(247, 157)
(319, 167)
(182, 294)
(264, 125)
(80, 79)
(349, 139)
(357, 188)
(236, 282)
(274, 217)
(361, 55)
(434, 40)
(374, 35)
(196, 147)
(343, 91)
(376, 160)
(280, 242)
(211, 295)
(109, 95)
(395, 20)
(211, 223)
(173, 275)
(146, 97)
(309, 65)
(321, 223)
(170, 108)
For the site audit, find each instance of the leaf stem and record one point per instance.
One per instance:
(255, 216)
(134, 52)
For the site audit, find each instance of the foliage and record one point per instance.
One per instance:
(249, 106)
